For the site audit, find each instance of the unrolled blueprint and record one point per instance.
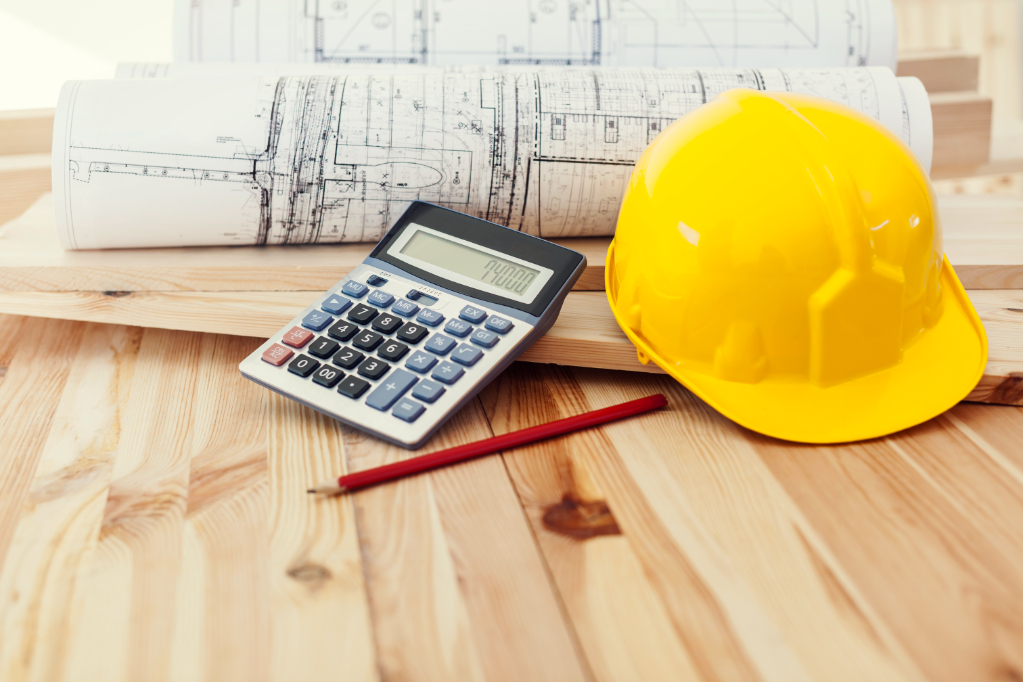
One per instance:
(297, 160)
(665, 33)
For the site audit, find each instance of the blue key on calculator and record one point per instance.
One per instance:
(442, 305)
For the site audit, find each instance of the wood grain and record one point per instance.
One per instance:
(962, 129)
(26, 131)
(157, 528)
(23, 179)
(942, 70)
(61, 517)
(458, 589)
(702, 517)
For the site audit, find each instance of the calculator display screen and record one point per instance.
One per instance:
(470, 264)
(465, 260)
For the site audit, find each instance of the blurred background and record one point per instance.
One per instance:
(44, 43)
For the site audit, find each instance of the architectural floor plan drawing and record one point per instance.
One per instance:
(298, 160)
(665, 33)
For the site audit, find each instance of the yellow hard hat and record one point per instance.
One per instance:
(780, 255)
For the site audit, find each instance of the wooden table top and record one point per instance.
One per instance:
(154, 525)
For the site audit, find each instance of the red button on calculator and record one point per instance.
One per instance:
(277, 354)
(297, 337)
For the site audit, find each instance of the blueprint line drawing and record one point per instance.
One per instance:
(335, 158)
(624, 33)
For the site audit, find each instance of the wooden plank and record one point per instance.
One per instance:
(941, 70)
(956, 553)
(23, 179)
(962, 129)
(982, 237)
(123, 625)
(29, 393)
(703, 519)
(320, 619)
(26, 131)
(458, 589)
(61, 517)
(585, 335)
(31, 260)
(222, 606)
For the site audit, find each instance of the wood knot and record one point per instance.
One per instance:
(1009, 391)
(1015, 310)
(580, 519)
(312, 575)
(117, 294)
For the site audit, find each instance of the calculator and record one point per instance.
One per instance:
(440, 307)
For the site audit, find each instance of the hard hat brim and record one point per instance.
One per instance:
(941, 368)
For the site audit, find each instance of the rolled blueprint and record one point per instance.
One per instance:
(635, 33)
(314, 159)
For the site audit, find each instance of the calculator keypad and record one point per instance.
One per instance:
(402, 358)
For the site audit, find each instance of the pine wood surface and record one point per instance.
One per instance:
(154, 525)
(982, 237)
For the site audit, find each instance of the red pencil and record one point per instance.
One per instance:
(488, 446)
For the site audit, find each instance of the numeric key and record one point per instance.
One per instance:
(412, 333)
(362, 314)
(342, 331)
(328, 376)
(392, 351)
(371, 368)
(387, 323)
(303, 365)
(367, 340)
(348, 358)
(323, 348)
